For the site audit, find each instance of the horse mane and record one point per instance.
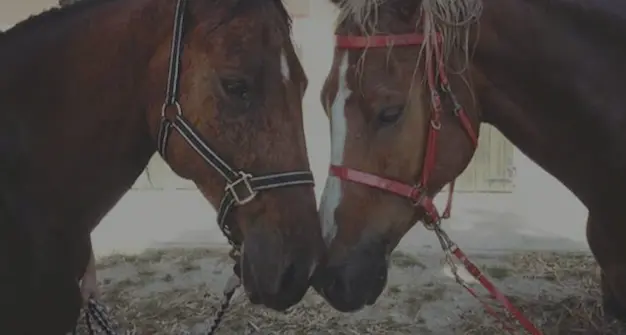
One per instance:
(450, 18)
(58, 13)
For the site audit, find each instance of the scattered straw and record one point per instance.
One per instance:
(171, 293)
(579, 311)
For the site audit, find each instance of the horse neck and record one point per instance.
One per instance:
(76, 89)
(553, 86)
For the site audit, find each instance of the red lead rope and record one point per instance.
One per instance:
(417, 193)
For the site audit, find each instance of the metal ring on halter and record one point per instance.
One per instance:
(457, 106)
(234, 253)
(179, 110)
(445, 88)
(457, 110)
(435, 124)
(422, 194)
(431, 225)
(244, 178)
(446, 243)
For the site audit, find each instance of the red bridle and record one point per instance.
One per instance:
(437, 83)
(418, 193)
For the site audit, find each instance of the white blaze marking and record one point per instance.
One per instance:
(284, 67)
(331, 197)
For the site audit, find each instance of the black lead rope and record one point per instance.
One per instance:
(97, 313)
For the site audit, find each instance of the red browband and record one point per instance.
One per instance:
(379, 41)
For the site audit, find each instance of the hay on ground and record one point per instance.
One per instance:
(167, 292)
(579, 312)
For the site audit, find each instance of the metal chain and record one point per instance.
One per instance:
(232, 285)
(97, 312)
(100, 315)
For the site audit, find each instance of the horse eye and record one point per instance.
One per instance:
(235, 88)
(390, 115)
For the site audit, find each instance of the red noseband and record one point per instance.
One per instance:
(412, 192)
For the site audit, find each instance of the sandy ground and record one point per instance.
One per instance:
(176, 291)
(174, 287)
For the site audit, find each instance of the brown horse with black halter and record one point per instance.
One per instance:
(410, 82)
(82, 110)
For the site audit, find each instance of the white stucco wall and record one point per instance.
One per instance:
(13, 11)
(315, 36)
(544, 202)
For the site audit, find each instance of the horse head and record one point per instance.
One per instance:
(404, 123)
(232, 123)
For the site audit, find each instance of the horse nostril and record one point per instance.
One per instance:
(339, 285)
(289, 276)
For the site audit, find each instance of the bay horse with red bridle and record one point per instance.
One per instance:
(411, 81)
(89, 92)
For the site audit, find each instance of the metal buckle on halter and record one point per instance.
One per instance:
(419, 190)
(430, 221)
(244, 178)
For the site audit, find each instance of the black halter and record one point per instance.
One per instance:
(236, 180)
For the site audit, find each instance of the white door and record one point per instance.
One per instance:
(491, 168)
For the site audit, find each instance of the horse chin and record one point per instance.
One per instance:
(374, 297)
(272, 277)
(345, 306)
(349, 288)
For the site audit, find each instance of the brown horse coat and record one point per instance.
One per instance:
(81, 90)
(548, 74)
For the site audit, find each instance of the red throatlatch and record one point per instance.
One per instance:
(417, 193)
